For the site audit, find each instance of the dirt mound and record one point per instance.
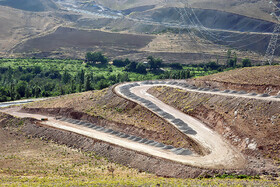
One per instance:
(263, 79)
(30, 5)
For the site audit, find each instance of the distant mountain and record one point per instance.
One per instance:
(30, 5)
(259, 9)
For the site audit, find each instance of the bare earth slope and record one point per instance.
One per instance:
(18, 25)
(259, 79)
(43, 17)
(257, 9)
(77, 40)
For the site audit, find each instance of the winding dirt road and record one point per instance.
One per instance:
(220, 154)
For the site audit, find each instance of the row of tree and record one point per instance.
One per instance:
(32, 82)
(154, 64)
(43, 80)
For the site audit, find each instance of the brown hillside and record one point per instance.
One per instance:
(259, 9)
(258, 79)
(17, 25)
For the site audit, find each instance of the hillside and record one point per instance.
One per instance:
(17, 26)
(114, 93)
(245, 123)
(242, 26)
(256, 9)
(30, 5)
(27, 161)
(263, 79)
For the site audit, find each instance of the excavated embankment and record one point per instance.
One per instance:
(251, 125)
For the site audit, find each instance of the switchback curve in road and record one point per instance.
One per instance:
(220, 154)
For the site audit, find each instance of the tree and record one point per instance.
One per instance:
(27, 92)
(66, 77)
(120, 62)
(88, 83)
(54, 74)
(37, 69)
(228, 54)
(213, 65)
(176, 66)
(231, 62)
(72, 86)
(36, 91)
(141, 68)
(102, 84)
(62, 91)
(235, 58)
(131, 67)
(21, 87)
(122, 77)
(81, 76)
(95, 57)
(3, 94)
(154, 63)
(246, 62)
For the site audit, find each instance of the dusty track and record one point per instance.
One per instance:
(219, 153)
